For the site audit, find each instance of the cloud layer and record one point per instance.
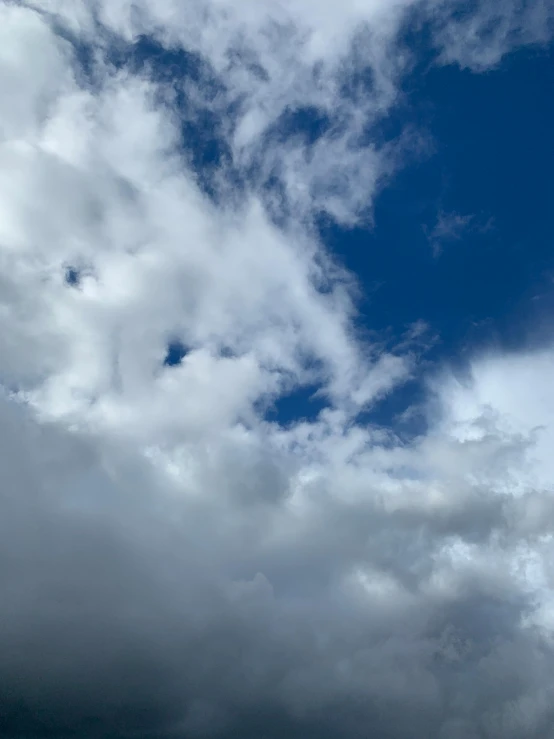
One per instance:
(173, 562)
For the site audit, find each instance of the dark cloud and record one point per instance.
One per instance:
(120, 615)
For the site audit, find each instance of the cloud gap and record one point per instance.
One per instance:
(303, 404)
(176, 352)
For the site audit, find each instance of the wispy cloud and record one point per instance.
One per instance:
(482, 33)
(451, 227)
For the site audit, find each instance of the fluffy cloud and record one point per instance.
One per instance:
(172, 563)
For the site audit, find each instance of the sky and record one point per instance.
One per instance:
(276, 360)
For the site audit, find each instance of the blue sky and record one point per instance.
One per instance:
(488, 161)
(276, 360)
(484, 173)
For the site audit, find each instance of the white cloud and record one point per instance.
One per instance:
(170, 562)
(481, 37)
(451, 227)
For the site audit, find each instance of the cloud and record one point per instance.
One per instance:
(172, 561)
(329, 582)
(483, 34)
(451, 227)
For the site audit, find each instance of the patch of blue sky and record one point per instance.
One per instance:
(401, 410)
(488, 175)
(302, 404)
(175, 353)
(305, 122)
(72, 277)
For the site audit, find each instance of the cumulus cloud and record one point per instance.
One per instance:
(172, 562)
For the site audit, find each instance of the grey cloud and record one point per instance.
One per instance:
(125, 613)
